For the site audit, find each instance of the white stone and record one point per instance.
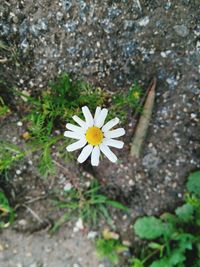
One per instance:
(19, 123)
(18, 172)
(78, 226)
(144, 21)
(92, 235)
(67, 187)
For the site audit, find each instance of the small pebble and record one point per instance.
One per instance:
(78, 226)
(131, 182)
(67, 187)
(181, 30)
(18, 172)
(92, 235)
(22, 222)
(19, 123)
(144, 21)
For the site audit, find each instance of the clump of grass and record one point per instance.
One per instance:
(123, 101)
(9, 153)
(87, 203)
(9, 53)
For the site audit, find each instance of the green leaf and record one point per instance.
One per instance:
(161, 263)
(137, 263)
(177, 257)
(155, 245)
(107, 249)
(170, 218)
(149, 227)
(185, 212)
(117, 205)
(185, 240)
(193, 184)
(46, 165)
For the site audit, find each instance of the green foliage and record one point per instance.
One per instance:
(52, 109)
(87, 203)
(55, 106)
(134, 96)
(193, 184)
(9, 153)
(185, 212)
(3, 108)
(63, 99)
(46, 165)
(137, 263)
(109, 249)
(121, 102)
(11, 53)
(149, 227)
(176, 237)
(6, 212)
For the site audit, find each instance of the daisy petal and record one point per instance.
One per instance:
(73, 135)
(110, 124)
(95, 156)
(75, 128)
(107, 152)
(77, 145)
(101, 118)
(115, 133)
(113, 143)
(97, 112)
(85, 153)
(79, 121)
(88, 116)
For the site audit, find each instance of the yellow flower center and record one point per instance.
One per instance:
(94, 136)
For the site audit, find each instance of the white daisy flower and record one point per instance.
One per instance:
(93, 136)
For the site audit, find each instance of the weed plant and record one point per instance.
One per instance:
(122, 102)
(173, 240)
(86, 203)
(9, 153)
(110, 249)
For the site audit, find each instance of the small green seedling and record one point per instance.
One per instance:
(110, 249)
(122, 102)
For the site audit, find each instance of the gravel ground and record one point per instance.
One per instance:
(110, 44)
(18, 250)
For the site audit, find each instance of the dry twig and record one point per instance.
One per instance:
(144, 120)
